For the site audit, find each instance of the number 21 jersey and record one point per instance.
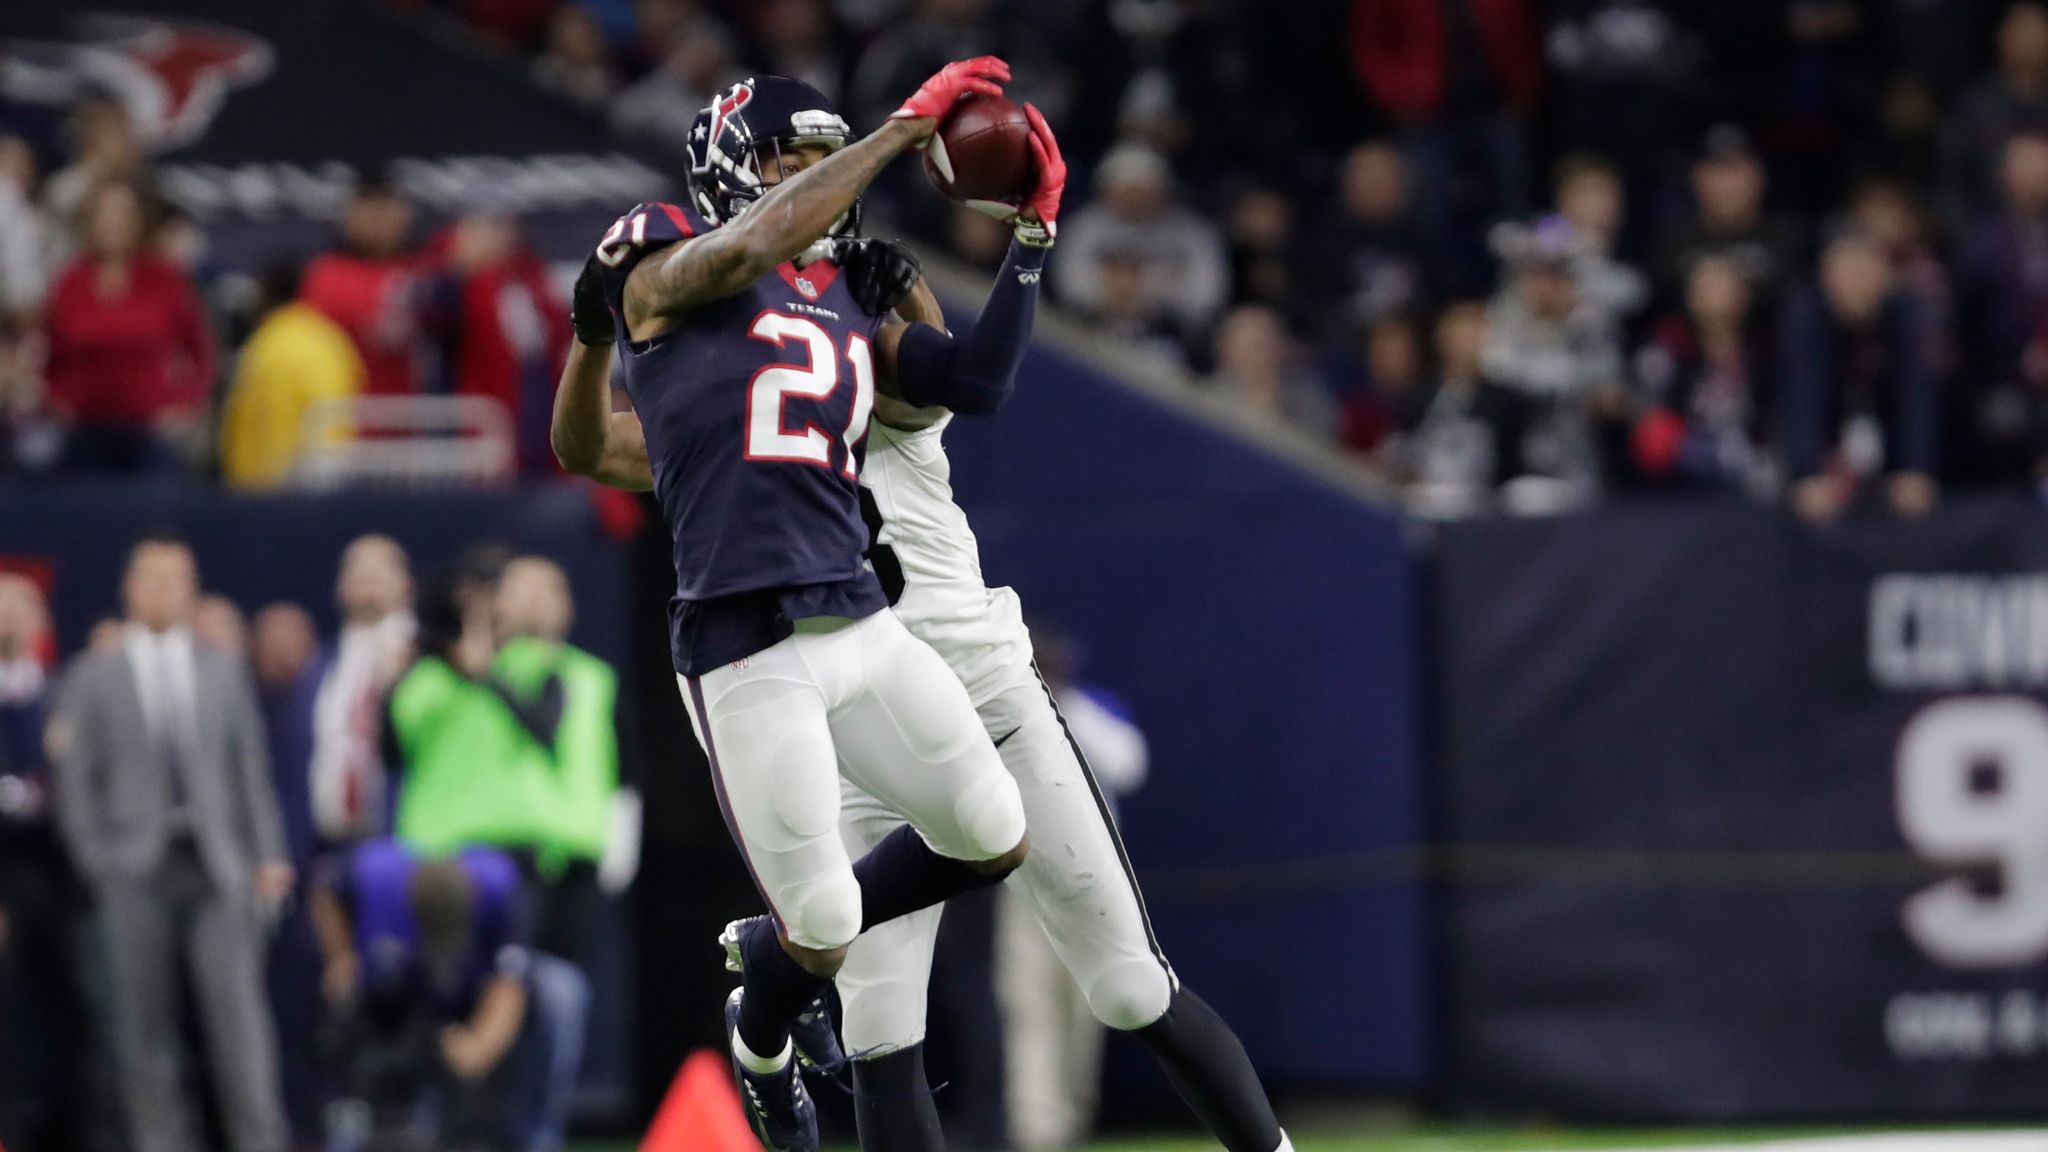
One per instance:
(756, 415)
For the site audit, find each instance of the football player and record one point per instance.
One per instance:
(929, 565)
(752, 372)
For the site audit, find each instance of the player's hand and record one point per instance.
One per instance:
(589, 315)
(879, 273)
(1037, 219)
(984, 75)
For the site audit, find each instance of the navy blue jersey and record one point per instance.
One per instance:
(756, 413)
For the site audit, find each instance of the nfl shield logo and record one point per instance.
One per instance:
(809, 289)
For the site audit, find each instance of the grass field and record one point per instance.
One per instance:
(1449, 1138)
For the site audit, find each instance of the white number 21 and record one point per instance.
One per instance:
(768, 434)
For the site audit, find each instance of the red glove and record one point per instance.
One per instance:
(983, 74)
(1043, 203)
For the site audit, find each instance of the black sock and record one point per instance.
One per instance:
(902, 874)
(1209, 1069)
(892, 1104)
(778, 990)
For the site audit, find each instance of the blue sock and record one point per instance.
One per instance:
(778, 990)
(902, 874)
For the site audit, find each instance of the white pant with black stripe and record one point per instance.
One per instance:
(1077, 880)
(866, 699)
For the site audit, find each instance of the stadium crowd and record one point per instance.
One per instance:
(378, 857)
(1503, 251)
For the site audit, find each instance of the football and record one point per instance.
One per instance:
(987, 142)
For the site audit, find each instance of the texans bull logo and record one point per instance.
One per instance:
(172, 76)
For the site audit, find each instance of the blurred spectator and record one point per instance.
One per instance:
(1131, 313)
(1459, 78)
(1830, 84)
(1385, 260)
(130, 353)
(1904, 138)
(348, 782)
(657, 26)
(2013, 99)
(164, 801)
(24, 247)
(595, 845)
(103, 150)
(940, 31)
(1454, 440)
(296, 360)
(281, 655)
(282, 651)
(366, 285)
(797, 40)
(1729, 220)
(1259, 366)
(1861, 399)
(1628, 81)
(502, 332)
(516, 23)
(1394, 377)
(700, 62)
(1052, 1052)
(2001, 298)
(217, 623)
(43, 1022)
(1561, 355)
(1707, 412)
(1262, 249)
(578, 61)
(455, 1034)
(1888, 212)
(1591, 198)
(474, 756)
(1186, 273)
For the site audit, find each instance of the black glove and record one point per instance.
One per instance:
(879, 273)
(589, 315)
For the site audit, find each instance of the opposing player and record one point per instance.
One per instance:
(1084, 892)
(753, 372)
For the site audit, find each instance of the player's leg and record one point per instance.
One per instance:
(763, 727)
(1086, 895)
(1080, 886)
(908, 736)
(883, 992)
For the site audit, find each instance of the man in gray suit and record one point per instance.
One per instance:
(164, 801)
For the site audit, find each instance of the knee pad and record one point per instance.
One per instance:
(826, 914)
(991, 813)
(1131, 994)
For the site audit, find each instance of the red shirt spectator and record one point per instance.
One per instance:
(367, 287)
(1414, 56)
(128, 343)
(503, 332)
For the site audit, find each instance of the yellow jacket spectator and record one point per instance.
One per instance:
(296, 358)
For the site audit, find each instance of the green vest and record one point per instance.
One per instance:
(586, 752)
(473, 774)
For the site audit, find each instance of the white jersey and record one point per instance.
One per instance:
(924, 547)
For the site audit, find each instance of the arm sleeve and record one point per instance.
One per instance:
(974, 372)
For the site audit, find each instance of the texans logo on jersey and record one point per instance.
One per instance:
(172, 76)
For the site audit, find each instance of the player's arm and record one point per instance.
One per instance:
(973, 372)
(588, 437)
(793, 214)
